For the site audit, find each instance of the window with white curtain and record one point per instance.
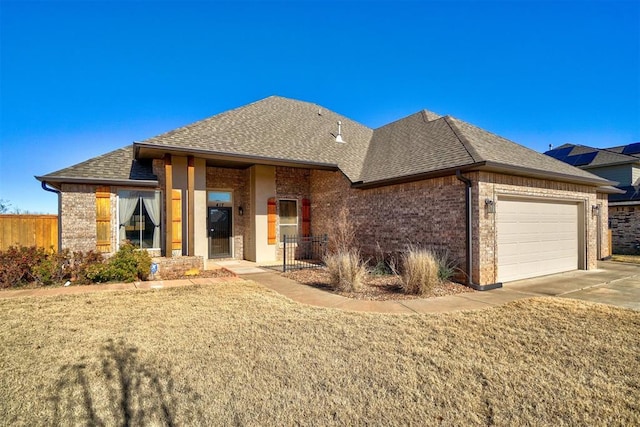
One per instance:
(139, 218)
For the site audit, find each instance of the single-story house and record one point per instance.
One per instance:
(620, 164)
(230, 186)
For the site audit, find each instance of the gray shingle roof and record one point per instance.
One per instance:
(277, 128)
(117, 165)
(496, 149)
(290, 130)
(412, 146)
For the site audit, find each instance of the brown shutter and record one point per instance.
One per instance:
(103, 219)
(176, 220)
(271, 221)
(306, 217)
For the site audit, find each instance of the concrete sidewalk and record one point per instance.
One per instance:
(612, 283)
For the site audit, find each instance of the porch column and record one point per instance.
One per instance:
(168, 206)
(191, 194)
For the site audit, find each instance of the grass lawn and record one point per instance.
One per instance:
(236, 353)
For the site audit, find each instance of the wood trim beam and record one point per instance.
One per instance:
(191, 193)
(168, 194)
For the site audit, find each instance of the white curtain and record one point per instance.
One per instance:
(152, 204)
(128, 202)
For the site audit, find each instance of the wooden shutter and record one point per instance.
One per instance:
(103, 219)
(176, 220)
(271, 221)
(306, 217)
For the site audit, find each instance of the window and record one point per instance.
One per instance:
(139, 218)
(288, 214)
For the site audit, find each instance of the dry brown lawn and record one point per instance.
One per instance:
(238, 354)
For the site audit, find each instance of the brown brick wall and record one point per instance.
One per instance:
(176, 266)
(236, 181)
(625, 229)
(428, 212)
(291, 184)
(79, 217)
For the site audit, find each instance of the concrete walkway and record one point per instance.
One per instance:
(613, 283)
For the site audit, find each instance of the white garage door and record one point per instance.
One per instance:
(536, 238)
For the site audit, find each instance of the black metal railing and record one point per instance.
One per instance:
(300, 252)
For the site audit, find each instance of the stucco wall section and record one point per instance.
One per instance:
(234, 180)
(492, 186)
(625, 229)
(428, 213)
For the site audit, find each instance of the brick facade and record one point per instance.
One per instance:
(176, 266)
(625, 229)
(79, 217)
(429, 213)
(291, 184)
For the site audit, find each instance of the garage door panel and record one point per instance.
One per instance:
(536, 238)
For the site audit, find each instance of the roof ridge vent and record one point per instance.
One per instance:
(339, 136)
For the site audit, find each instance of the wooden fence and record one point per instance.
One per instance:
(29, 230)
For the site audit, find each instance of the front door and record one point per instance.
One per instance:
(219, 221)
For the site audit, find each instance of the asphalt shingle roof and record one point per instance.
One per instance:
(277, 128)
(117, 165)
(289, 130)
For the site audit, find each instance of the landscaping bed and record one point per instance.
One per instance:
(375, 287)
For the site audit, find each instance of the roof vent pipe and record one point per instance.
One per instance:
(339, 136)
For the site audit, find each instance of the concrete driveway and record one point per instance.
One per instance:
(613, 283)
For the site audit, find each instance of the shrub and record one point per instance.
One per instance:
(447, 266)
(83, 266)
(420, 271)
(346, 269)
(343, 239)
(52, 269)
(127, 265)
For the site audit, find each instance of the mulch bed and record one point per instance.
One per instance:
(376, 287)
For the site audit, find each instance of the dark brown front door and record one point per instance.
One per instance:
(219, 221)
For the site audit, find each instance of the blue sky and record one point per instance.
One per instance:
(78, 79)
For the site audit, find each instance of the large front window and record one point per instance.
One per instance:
(139, 218)
(288, 213)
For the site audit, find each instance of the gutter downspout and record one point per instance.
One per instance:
(469, 233)
(53, 190)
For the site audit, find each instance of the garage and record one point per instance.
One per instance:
(537, 237)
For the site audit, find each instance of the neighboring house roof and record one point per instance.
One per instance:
(628, 194)
(589, 157)
(283, 130)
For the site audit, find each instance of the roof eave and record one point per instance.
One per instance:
(608, 189)
(98, 181)
(605, 165)
(416, 177)
(535, 173)
(158, 151)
